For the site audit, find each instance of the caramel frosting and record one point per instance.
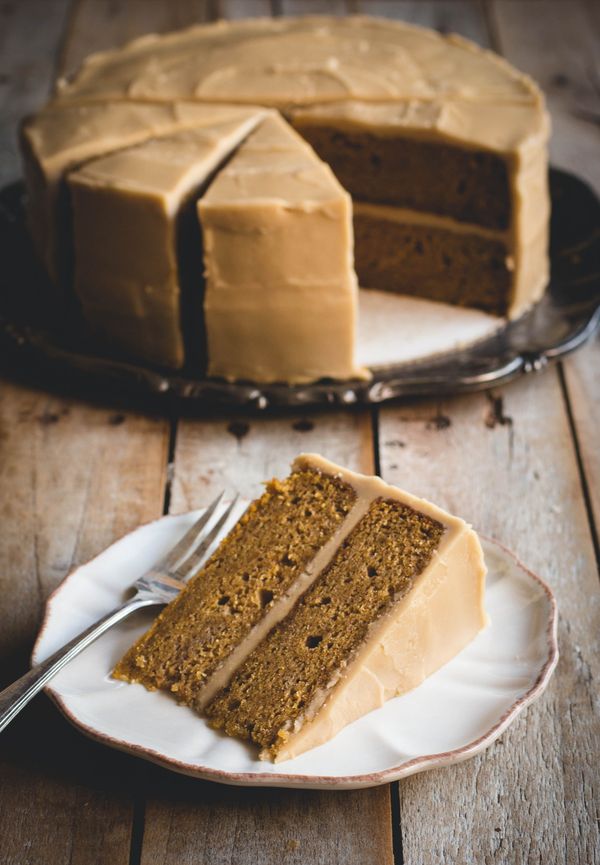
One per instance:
(383, 77)
(126, 209)
(278, 250)
(439, 617)
(62, 137)
(286, 61)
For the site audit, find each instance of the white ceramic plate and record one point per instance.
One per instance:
(453, 715)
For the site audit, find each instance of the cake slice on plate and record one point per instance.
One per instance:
(334, 593)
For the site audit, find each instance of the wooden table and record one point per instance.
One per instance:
(522, 464)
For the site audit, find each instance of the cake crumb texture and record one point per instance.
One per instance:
(271, 545)
(288, 676)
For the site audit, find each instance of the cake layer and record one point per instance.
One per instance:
(250, 583)
(281, 294)
(484, 164)
(435, 258)
(286, 61)
(63, 137)
(133, 210)
(432, 176)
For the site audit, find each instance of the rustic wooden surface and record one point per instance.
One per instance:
(523, 464)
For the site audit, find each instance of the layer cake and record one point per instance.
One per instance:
(334, 593)
(441, 145)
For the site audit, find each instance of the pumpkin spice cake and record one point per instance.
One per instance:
(441, 145)
(333, 593)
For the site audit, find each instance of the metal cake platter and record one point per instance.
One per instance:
(47, 343)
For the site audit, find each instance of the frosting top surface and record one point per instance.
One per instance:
(164, 165)
(274, 164)
(63, 130)
(304, 60)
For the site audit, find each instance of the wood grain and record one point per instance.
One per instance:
(73, 478)
(569, 71)
(27, 62)
(448, 16)
(492, 459)
(101, 24)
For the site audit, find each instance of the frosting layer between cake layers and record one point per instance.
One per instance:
(420, 631)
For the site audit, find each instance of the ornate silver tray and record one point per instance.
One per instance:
(51, 347)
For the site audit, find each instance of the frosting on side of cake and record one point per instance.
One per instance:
(287, 61)
(278, 249)
(128, 213)
(62, 137)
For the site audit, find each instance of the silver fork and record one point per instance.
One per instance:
(159, 585)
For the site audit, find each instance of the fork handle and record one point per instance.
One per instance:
(17, 695)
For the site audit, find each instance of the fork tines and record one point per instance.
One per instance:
(195, 559)
(181, 549)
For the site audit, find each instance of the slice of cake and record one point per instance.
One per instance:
(281, 293)
(133, 214)
(257, 574)
(450, 198)
(63, 137)
(334, 593)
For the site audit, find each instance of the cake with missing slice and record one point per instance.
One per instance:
(332, 594)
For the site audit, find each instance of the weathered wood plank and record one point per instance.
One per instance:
(311, 7)
(559, 48)
(101, 24)
(493, 459)
(447, 16)
(187, 822)
(582, 376)
(569, 70)
(243, 8)
(73, 478)
(508, 805)
(240, 454)
(27, 61)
